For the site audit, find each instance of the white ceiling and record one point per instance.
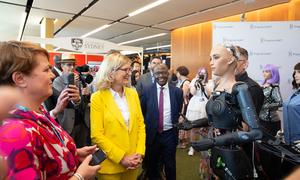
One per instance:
(161, 19)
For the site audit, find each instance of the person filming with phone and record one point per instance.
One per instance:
(32, 144)
(73, 118)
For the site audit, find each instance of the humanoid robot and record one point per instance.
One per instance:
(228, 160)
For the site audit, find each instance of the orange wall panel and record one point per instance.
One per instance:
(191, 45)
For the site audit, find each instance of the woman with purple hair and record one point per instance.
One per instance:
(268, 116)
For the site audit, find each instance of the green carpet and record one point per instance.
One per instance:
(187, 167)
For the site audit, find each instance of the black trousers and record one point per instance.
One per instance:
(162, 153)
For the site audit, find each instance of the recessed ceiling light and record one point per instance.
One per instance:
(158, 47)
(147, 7)
(143, 38)
(96, 30)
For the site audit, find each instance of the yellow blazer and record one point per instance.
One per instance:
(109, 131)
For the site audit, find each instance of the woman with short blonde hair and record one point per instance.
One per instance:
(117, 123)
(111, 63)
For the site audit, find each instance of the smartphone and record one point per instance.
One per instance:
(98, 157)
(71, 79)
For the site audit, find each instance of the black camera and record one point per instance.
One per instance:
(84, 78)
(201, 77)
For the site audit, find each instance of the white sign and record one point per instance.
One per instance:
(267, 43)
(87, 45)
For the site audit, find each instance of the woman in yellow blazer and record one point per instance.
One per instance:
(117, 124)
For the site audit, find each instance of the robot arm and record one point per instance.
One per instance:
(187, 125)
(250, 117)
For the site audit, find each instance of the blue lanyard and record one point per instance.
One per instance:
(25, 109)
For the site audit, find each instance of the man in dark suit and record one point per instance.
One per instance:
(147, 79)
(161, 104)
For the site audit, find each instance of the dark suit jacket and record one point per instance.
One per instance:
(144, 83)
(150, 109)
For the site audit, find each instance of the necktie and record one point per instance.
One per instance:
(161, 111)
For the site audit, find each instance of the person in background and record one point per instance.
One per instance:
(32, 143)
(242, 75)
(173, 80)
(117, 123)
(135, 65)
(73, 119)
(196, 107)
(257, 96)
(56, 70)
(196, 110)
(148, 79)
(269, 119)
(291, 112)
(161, 104)
(184, 84)
(135, 77)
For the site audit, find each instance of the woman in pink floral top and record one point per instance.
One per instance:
(32, 144)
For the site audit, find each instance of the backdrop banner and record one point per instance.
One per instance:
(267, 43)
(87, 45)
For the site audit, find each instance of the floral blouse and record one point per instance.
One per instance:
(34, 146)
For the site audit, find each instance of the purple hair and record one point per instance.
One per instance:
(275, 79)
(203, 70)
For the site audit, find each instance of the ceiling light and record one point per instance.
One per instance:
(55, 21)
(144, 38)
(96, 30)
(56, 49)
(157, 47)
(147, 7)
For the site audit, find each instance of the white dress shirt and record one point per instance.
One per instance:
(122, 104)
(167, 106)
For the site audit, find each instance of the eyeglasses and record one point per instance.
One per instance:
(127, 70)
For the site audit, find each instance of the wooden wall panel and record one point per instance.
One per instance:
(191, 45)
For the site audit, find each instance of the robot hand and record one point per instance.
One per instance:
(187, 125)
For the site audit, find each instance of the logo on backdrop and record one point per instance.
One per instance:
(291, 53)
(222, 26)
(77, 43)
(264, 40)
(294, 26)
(232, 41)
(253, 53)
(258, 26)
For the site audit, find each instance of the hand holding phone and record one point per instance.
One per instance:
(71, 80)
(97, 157)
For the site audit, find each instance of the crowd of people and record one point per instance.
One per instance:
(54, 118)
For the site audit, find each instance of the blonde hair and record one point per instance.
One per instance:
(111, 63)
